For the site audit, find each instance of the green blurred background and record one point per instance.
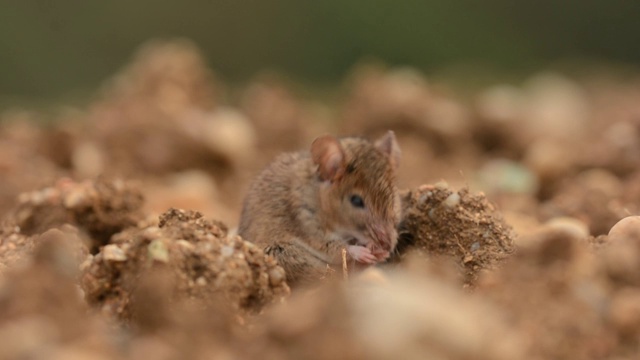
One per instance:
(53, 49)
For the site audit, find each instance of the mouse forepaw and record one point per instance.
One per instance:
(361, 254)
(380, 254)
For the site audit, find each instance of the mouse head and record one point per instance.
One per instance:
(358, 194)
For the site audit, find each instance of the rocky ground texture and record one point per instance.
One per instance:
(519, 237)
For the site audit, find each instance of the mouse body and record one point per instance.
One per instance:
(307, 206)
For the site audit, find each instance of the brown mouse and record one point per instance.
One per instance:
(307, 206)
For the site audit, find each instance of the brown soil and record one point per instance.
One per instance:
(511, 240)
(205, 265)
(466, 227)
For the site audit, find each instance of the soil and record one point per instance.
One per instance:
(455, 224)
(517, 240)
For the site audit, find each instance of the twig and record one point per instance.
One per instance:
(345, 270)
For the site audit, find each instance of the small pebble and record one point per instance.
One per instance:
(112, 252)
(158, 251)
(626, 229)
(452, 200)
(276, 276)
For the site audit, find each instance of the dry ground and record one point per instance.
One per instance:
(117, 242)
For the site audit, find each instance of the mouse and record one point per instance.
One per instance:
(306, 207)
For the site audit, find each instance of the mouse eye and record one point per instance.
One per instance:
(356, 201)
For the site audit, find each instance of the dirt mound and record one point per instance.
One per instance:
(206, 264)
(42, 312)
(457, 224)
(98, 208)
(572, 300)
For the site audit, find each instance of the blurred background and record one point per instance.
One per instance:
(194, 98)
(53, 50)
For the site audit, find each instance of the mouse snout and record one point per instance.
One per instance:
(385, 236)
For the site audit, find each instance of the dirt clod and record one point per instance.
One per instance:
(457, 224)
(205, 264)
(98, 208)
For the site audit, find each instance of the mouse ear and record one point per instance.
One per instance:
(389, 146)
(327, 153)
